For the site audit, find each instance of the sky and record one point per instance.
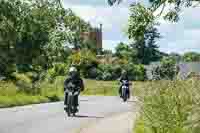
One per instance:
(180, 37)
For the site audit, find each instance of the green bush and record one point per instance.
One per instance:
(85, 60)
(168, 69)
(136, 72)
(113, 72)
(58, 69)
(93, 73)
(23, 82)
(140, 74)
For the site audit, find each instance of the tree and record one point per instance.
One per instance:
(125, 52)
(143, 32)
(171, 13)
(191, 57)
(77, 26)
(33, 34)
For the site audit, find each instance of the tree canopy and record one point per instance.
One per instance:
(36, 33)
(171, 13)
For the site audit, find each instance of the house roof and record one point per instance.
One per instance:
(186, 68)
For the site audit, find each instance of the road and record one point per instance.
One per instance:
(50, 117)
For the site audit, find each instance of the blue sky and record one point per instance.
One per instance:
(178, 37)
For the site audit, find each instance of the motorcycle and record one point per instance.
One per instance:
(125, 90)
(71, 107)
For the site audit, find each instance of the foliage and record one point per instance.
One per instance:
(109, 72)
(144, 35)
(169, 107)
(58, 69)
(125, 52)
(140, 20)
(147, 50)
(77, 26)
(85, 60)
(113, 72)
(177, 57)
(191, 57)
(167, 69)
(34, 34)
(172, 8)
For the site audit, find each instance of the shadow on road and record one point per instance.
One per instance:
(84, 100)
(86, 116)
(131, 101)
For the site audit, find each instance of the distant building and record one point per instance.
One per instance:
(94, 35)
(188, 70)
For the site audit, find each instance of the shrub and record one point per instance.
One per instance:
(107, 72)
(136, 72)
(92, 73)
(86, 61)
(167, 70)
(170, 107)
(58, 69)
(140, 73)
(23, 82)
(113, 72)
(7, 88)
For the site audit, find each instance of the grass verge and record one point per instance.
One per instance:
(169, 107)
(10, 95)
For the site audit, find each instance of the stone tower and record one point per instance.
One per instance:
(96, 36)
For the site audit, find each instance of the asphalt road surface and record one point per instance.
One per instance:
(51, 118)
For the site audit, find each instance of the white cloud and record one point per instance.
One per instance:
(181, 46)
(114, 20)
(108, 16)
(177, 37)
(182, 36)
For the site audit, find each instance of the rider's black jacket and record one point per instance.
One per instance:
(77, 81)
(124, 77)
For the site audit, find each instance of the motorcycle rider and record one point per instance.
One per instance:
(74, 79)
(124, 76)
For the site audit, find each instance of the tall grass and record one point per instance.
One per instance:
(12, 95)
(169, 107)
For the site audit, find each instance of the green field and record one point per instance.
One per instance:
(10, 94)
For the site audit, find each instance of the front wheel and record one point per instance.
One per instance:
(69, 113)
(124, 94)
(74, 114)
(69, 103)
